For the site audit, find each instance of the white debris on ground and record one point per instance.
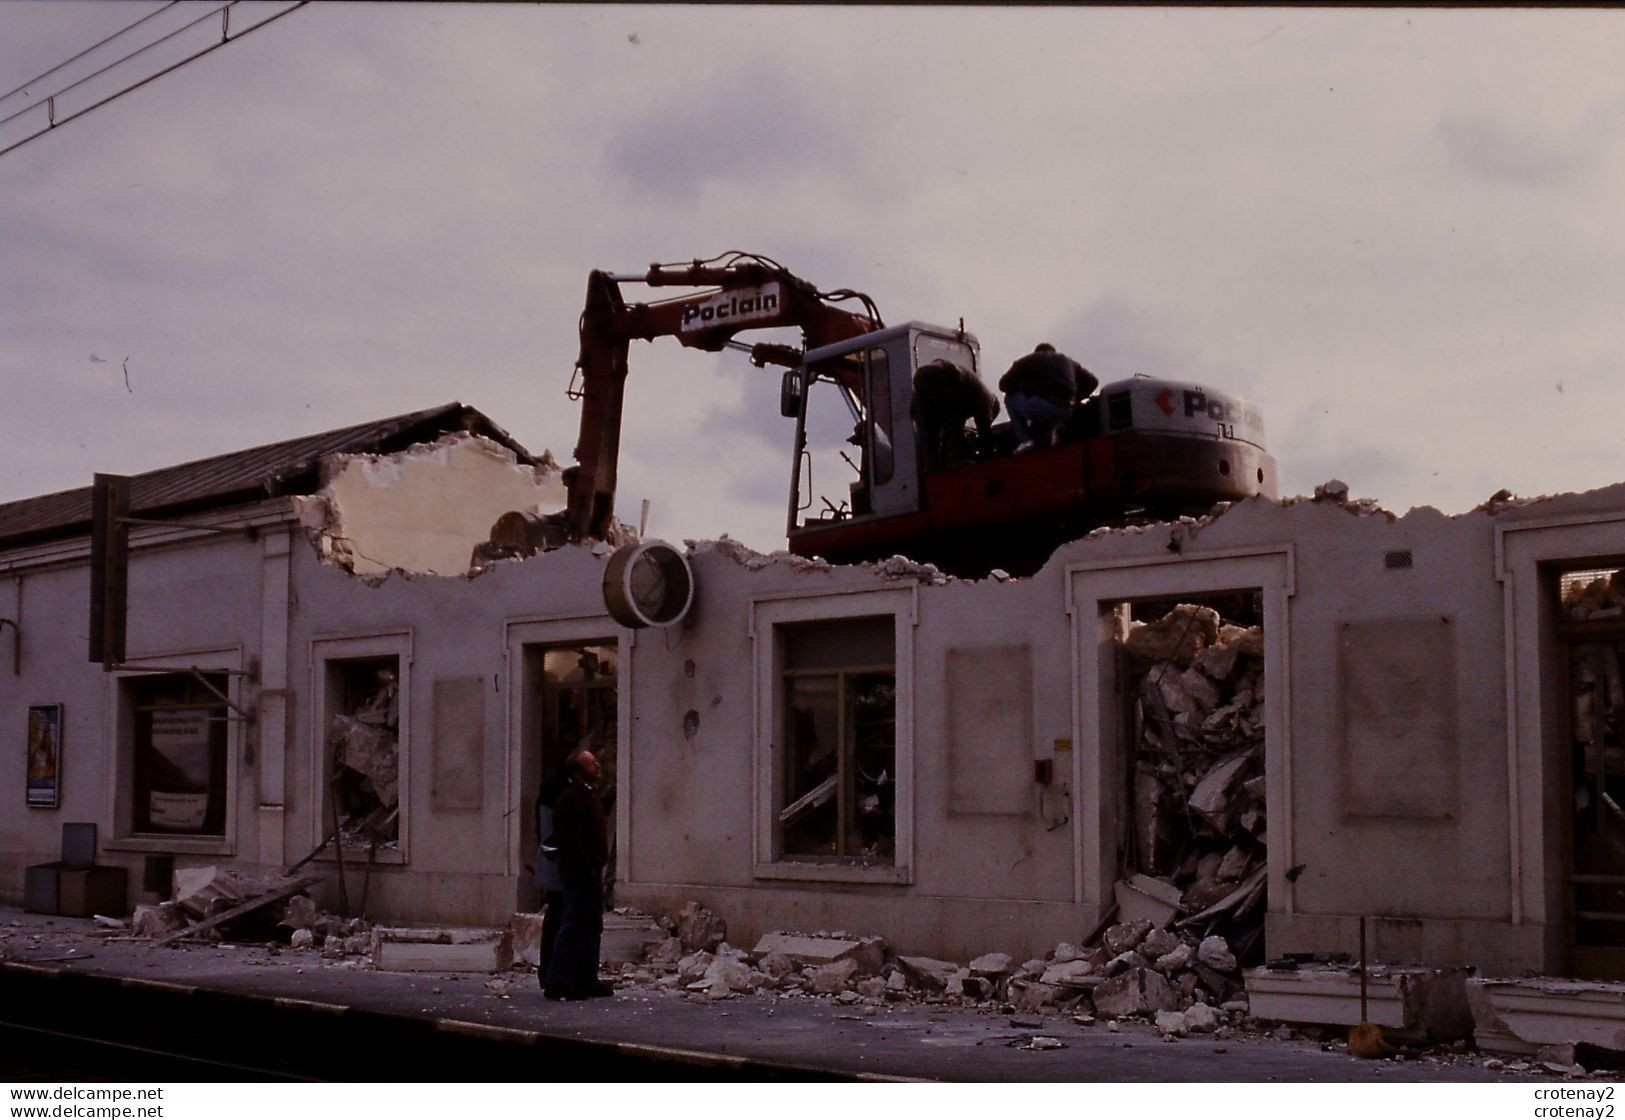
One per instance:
(201, 894)
(1177, 989)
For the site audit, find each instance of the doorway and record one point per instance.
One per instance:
(1591, 632)
(570, 702)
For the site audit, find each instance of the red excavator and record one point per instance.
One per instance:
(1139, 449)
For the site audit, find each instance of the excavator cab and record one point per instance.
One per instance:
(872, 376)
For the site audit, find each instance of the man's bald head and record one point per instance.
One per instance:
(583, 764)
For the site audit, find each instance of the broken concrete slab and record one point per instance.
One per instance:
(1144, 898)
(829, 979)
(1032, 995)
(1215, 952)
(1177, 637)
(992, 965)
(1409, 1004)
(1125, 936)
(1136, 991)
(157, 921)
(1071, 974)
(929, 972)
(1521, 1016)
(869, 952)
(400, 949)
(526, 931)
(699, 928)
(627, 937)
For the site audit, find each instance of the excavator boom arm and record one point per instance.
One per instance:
(746, 295)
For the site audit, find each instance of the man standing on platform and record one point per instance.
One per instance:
(581, 835)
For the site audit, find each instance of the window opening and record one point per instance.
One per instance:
(364, 742)
(179, 756)
(838, 800)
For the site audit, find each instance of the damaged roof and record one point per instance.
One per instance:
(273, 470)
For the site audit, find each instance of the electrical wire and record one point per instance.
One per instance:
(225, 38)
(87, 50)
(93, 75)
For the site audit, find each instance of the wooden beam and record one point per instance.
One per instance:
(286, 891)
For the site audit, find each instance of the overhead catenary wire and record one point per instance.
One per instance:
(225, 38)
(116, 63)
(94, 46)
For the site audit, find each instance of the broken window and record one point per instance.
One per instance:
(838, 799)
(363, 740)
(1193, 691)
(1593, 629)
(178, 729)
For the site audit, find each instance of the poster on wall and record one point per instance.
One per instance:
(179, 797)
(44, 755)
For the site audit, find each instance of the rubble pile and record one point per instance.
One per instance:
(366, 766)
(1601, 597)
(1197, 820)
(753, 561)
(288, 915)
(1138, 971)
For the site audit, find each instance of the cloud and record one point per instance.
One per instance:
(1494, 149)
(751, 128)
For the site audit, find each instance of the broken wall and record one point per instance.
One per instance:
(463, 798)
(424, 509)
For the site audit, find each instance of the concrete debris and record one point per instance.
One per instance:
(833, 978)
(1601, 597)
(1178, 636)
(1215, 953)
(399, 949)
(869, 953)
(873, 987)
(1198, 822)
(1071, 974)
(693, 966)
(698, 928)
(1032, 995)
(992, 965)
(901, 568)
(1125, 937)
(730, 973)
(753, 561)
(1158, 943)
(928, 972)
(1140, 897)
(1334, 491)
(1136, 991)
(301, 940)
(157, 921)
(299, 913)
(366, 764)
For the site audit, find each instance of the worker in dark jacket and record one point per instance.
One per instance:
(1040, 390)
(946, 396)
(548, 878)
(581, 835)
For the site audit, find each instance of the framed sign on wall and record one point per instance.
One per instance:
(44, 756)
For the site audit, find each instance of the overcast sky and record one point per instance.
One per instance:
(1400, 233)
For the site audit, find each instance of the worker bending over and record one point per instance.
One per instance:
(1040, 390)
(946, 396)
